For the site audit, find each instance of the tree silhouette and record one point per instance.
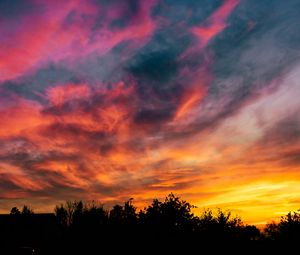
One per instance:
(167, 219)
(117, 214)
(61, 214)
(77, 213)
(123, 222)
(130, 211)
(15, 211)
(94, 214)
(27, 210)
(84, 226)
(250, 233)
(287, 230)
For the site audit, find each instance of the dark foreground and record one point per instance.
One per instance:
(166, 227)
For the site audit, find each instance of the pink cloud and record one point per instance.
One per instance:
(40, 38)
(216, 23)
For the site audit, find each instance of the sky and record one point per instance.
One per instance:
(111, 100)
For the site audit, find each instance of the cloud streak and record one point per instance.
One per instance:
(116, 99)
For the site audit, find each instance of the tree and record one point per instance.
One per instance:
(80, 212)
(61, 214)
(27, 210)
(287, 230)
(130, 211)
(15, 211)
(250, 232)
(94, 214)
(221, 226)
(117, 214)
(173, 215)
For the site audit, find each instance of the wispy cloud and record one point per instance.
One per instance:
(116, 99)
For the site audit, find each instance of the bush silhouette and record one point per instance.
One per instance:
(26, 210)
(15, 211)
(86, 226)
(169, 217)
(287, 230)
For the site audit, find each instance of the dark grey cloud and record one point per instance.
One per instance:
(13, 9)
(259, 44)
(33, 86)
(6, 184)
(107, 68)
(153, 117)
(188, 11)
(128, 12)
(158, 67)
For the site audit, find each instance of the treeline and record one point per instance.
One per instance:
(163, 226)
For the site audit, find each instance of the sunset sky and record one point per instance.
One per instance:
(113, 99)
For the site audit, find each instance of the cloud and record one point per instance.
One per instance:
(215, 23)
(16, 8)
(114, 99)
(66, 32)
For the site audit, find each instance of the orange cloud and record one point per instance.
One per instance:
(107, 100)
